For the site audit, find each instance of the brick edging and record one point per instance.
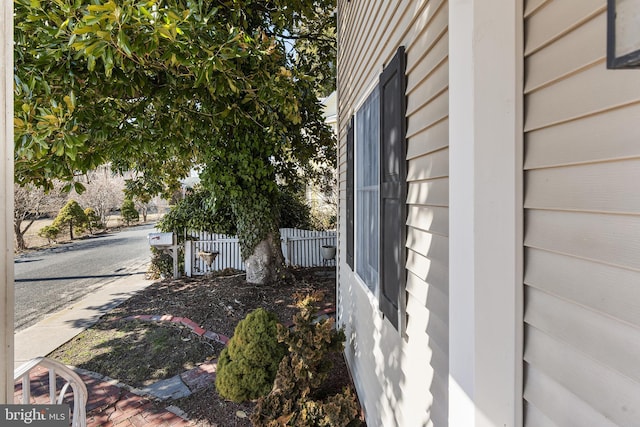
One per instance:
(193, 326)
(199, 331)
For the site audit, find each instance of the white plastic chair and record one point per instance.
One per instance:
(80, 395)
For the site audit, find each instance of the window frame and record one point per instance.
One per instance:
(373, 288)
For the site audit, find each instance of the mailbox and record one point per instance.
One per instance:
(161, 239)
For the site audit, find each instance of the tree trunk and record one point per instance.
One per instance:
(19, 235)
(21, 243)
(266, 264)
(71, 229)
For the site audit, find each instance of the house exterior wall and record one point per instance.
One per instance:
(401, 376)
(523, 162)
(582, 222)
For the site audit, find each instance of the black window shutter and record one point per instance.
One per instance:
(392, 187)
(350, 189)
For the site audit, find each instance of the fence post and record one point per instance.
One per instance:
(188, 258)
(287, 256)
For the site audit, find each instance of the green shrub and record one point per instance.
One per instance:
(247, 366)
(129, 212)
(161, 265)
(294, 400)
(50, 232)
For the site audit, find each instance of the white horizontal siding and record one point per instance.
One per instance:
(582, 222)
(433, 165)
(430, 139)
(589, 92)
(568, 55)
(605, 288)
(617, 346)
(592, 187)
(402, 380)
(431, 272)
(609, 239)
(433, 192)
(609, 393)
(552, 401)
(610, 135)
(555, 19)
(434, 219)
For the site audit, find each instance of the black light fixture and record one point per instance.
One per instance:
(623, 34)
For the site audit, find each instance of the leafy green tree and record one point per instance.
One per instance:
(157, 86)
(200, 210)
(71, 215)
(129, 212)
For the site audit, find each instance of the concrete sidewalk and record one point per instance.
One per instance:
(53, 331)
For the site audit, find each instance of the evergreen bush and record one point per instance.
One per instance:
(50, 232)
(129, 212)
(247, 366)
(294, 400)
(71, 215)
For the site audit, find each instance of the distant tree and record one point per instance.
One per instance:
(129, 212)
(50, 232)
(71, 215)
(142, 204)
(93, 220)
(30, 203)
(104, 192)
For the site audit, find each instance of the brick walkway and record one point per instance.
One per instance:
(108, 404)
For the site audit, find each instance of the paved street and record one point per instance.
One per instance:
(50, 280)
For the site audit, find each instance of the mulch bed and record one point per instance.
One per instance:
(217, 303)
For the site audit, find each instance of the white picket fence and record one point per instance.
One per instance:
(301, 248)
